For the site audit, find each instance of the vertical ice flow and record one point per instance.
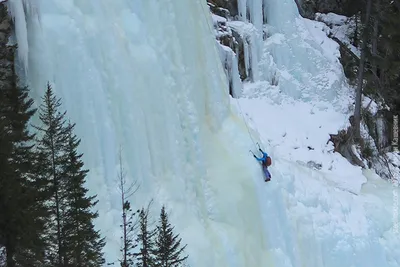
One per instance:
(145, 75)
(242, 9)
(229, 61)
(306, 71)
(16, 8)
(250, 11)
(302, 63)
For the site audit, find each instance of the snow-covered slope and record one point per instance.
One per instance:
(146, 75)
(323, 211)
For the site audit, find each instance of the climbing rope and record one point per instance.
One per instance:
(240, 108)
(211, 28)
(244, 119)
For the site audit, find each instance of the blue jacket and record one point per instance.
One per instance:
(263, 158)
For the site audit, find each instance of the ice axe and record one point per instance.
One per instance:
(259, 146)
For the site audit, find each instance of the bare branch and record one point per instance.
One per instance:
(129, 224)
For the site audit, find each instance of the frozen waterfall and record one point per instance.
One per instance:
(147, 76)
(289, 47)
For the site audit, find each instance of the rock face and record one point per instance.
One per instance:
(238, 39)
(224, 8)
(228, 51)
(308, 8)
(230, 47)
(7, 52)
(343, 143)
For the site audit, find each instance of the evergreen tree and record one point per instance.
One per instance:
(52, 148)
(73, 239)
(2, 255)
(22, 220)
(82, 244)
(381, 80)
(145, 238)
(129, 223)
(168, 251)
(388, 54)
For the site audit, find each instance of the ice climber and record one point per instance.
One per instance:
(265, 162)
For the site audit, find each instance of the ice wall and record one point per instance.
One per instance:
(228, 57)
(229, 61)
(278, 45)
(248, 31)
(305, 64)
(250, 11)
(146, 75)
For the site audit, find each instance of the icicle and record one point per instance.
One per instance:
(252, 44)
(19, 9)
(265, 18)
(381, 129)
(256, 14)
(223, 56)
(237, 86)
(254, 56)
(281, 14)
(242, 9)
(246, 56)
(230, 64)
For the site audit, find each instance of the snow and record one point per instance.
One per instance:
(332, 19)
(333, 215)
(340, 27)
(370, 104)
(218, 19)
(150, 79)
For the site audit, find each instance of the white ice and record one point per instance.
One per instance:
(340, 27)
(251, 47)
(147, 76)
(229, 61)
(331, 215)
